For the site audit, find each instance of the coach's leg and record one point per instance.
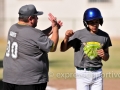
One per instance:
(41, 86)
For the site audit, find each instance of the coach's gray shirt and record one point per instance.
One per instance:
(79, 40)
(26, 59)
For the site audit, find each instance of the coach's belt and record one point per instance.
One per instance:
(89, 68)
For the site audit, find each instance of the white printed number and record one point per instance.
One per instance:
(12, 50)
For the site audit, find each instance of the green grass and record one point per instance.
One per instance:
(62, 63)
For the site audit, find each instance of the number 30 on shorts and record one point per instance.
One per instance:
(12, 49)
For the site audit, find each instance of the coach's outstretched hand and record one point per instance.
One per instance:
(54, 21)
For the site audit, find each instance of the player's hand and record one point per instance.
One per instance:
(54, 21)
(101, 53)
(69, 33)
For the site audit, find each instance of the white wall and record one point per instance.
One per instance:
(69, 11)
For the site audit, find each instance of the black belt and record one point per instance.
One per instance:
(89, 68)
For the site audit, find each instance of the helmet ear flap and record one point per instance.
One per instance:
(101, 22)
(85, 24)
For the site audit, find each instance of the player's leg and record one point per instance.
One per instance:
(97, 80)
(8, 86)
(32, 87)
(83, 80)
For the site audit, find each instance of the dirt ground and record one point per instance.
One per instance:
(109, 84)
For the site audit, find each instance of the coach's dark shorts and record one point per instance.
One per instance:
(8, 86)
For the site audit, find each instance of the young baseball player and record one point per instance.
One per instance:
(91, 46)
(26, 65)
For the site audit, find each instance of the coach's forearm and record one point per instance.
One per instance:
(54, 38)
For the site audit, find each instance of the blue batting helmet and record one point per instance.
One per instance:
(91, 14)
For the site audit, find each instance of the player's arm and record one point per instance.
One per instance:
(104, 53)
(64, 44)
